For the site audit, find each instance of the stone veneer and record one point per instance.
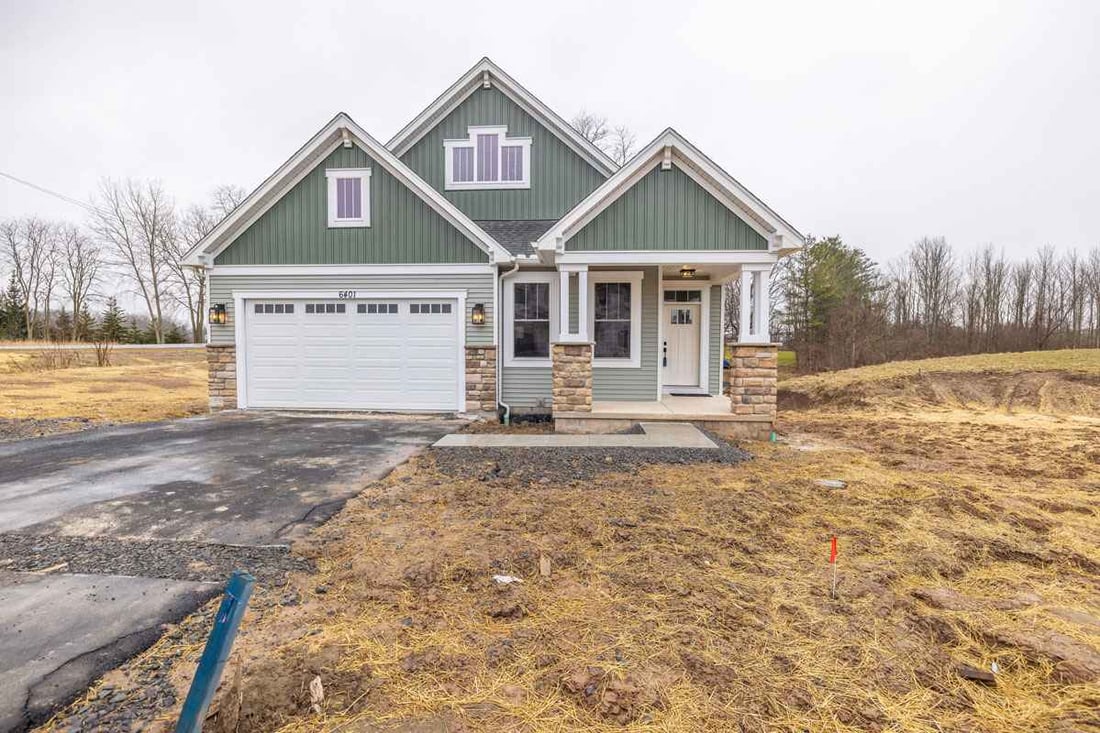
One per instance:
(221, 360)
(481, 380)
(753, 379)
(572, 377)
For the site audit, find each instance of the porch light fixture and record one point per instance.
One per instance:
(687, 273)
(218, 315)
(477, 315)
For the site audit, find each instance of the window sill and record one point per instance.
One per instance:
(356, 224)
(498, 186)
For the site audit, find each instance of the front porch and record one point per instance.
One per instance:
(712, 413)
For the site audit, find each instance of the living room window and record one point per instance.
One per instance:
(530, 318)
(487, 159)
(348, 197)
(615, 317)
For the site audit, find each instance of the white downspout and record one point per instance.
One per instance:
(500, 341)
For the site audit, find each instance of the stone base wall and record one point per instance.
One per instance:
(221, 362)
(753, 377)
(572, 377)
(481, 380)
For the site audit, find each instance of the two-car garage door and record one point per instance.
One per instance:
(382, 354)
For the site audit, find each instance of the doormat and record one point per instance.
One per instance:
(688, 394)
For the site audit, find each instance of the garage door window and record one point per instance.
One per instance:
(424, 309)
(377, 308)
(274, 308)
(322, 308)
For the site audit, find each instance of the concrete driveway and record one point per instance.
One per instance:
(105, 535)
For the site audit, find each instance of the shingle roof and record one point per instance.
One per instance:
(516, 235)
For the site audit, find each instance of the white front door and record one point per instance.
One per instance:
(680, 350)
(396, 354)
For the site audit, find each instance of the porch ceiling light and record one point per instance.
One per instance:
(477, 315)
(687, 273)
(218, 315)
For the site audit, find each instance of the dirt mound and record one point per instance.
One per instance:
(1060, 393)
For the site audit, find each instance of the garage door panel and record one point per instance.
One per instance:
(390, 359)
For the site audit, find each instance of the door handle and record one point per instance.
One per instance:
(664, 355)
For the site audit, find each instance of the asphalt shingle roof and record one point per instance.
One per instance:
(516, 235)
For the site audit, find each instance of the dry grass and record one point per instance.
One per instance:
(140, 385)
(698, 599)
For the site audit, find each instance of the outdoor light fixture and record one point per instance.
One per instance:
(477, 315)
(218, 314)
(687, 273)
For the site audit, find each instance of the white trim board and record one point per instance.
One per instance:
(669, 257)
(483, 74)
(341, 130)
(667, 149)
(352, 270)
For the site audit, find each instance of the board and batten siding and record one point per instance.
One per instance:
(404, 229)
(666, 210)
(634, 383)
(714, 377)
(559, 177)
(478, 287)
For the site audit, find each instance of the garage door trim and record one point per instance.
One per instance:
(239, 333)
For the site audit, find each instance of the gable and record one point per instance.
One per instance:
(404, 228)
(559, 176)
(666, 209)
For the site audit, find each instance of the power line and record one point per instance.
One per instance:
(48, 192)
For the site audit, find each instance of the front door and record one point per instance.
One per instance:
(680, 350)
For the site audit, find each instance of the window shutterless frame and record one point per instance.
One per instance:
(348, 197)
(634, 279)
(488, 159)
(508, 308)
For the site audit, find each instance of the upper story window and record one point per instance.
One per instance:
(487, 159)
(348, 197)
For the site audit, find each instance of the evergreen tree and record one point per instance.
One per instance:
(13, 326)
(112, 326)
(175, 335)
(85, 325)
(62, 326)
(133, 334)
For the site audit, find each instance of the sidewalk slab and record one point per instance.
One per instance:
(653, 435)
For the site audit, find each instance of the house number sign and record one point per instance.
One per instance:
(345, 294)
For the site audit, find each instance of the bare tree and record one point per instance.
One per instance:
(936, 280)
(621, 145)
(591, 126)
(79, 262)
(617, 142)
(225, 198)
(136, 221)
(29, 247)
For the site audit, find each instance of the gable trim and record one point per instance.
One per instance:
(341, 130)
(484, 74)
(667, 149)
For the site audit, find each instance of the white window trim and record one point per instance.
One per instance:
(363, 174)
(471, 142)
(634, 277)
(509, 311)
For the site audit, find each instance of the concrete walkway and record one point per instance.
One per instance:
(654, 435)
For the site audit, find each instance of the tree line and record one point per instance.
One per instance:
(59, 272)
(837, 308)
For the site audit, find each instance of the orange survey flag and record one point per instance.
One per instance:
(832, 551)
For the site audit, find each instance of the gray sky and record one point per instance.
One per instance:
(979, 121)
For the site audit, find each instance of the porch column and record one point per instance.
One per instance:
(577, 287)
(754, 359)
(755, 304)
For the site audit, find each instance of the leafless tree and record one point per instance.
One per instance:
(591, 126)
(621, 144)
(29, 246)
(225, 198)
(617, 142)
(136, 221)
(79, 262)
(936, 281)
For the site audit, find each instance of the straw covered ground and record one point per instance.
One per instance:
(691, 598)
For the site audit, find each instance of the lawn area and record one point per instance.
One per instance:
(140, 384)
(692, 598)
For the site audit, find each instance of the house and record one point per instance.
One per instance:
(490, 259)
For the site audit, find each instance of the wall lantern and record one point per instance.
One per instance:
(687, 273)
(477, 315)
(218, 315)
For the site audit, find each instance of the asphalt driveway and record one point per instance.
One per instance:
(105, 535)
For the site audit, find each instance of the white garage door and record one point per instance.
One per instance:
(395, 354)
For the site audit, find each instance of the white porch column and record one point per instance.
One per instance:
(744, 331)
(755, 304)
(566, 335)
(763, 305)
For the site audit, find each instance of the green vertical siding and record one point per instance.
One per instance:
(403, 230)
(559, 177)
(666, 210)
(630, 383)
(714, 381)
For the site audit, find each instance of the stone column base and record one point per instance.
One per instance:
(753, 377)
(481, 381)
(572, 377)
(221, 361)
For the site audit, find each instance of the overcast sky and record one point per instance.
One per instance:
(879, 121)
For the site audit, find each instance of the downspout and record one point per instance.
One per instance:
(500, 341)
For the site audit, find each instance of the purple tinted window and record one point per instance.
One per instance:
(349, 198)
(462, 164)
(511, 163)
(487, 152)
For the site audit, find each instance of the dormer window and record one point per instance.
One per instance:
(487, 159)
(348, 197)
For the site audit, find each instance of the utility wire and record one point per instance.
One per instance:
(48, 192)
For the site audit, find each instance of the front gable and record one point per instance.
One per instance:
(559, 177)
(666, 210)
(403, 228)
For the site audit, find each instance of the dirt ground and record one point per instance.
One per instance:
(698, 597)
(48, 390)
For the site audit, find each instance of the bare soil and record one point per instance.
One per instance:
(699, 597)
